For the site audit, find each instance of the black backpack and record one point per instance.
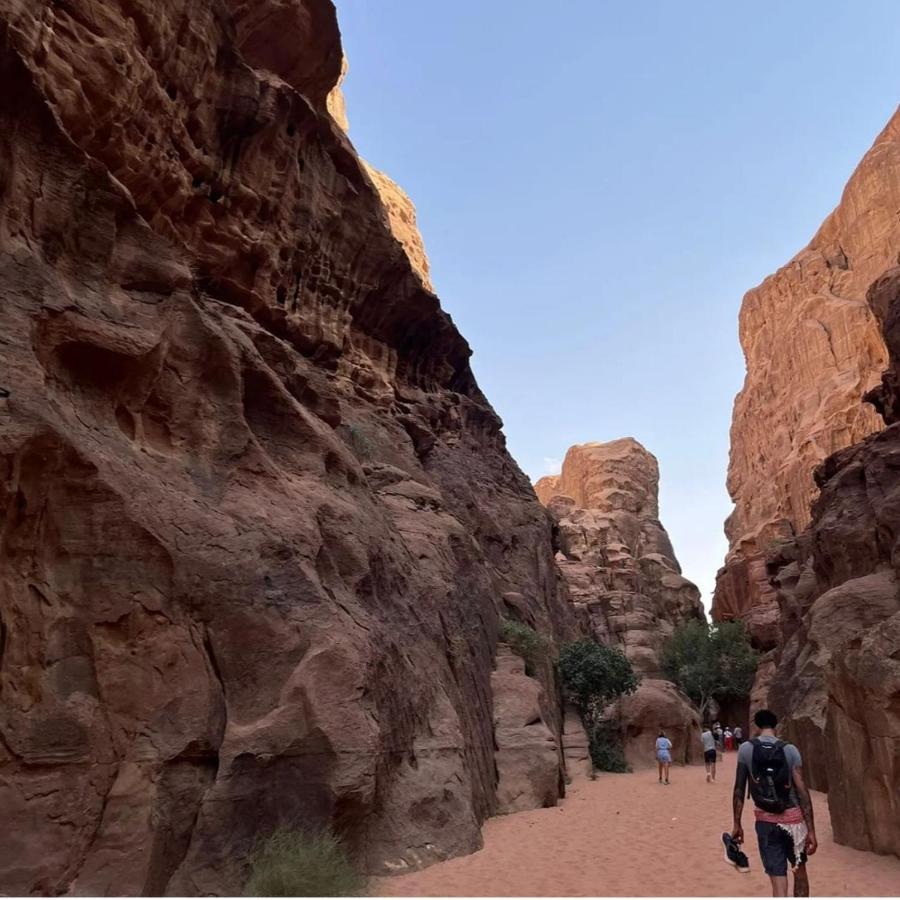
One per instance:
(770, 776)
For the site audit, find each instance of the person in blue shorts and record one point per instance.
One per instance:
(663, 757)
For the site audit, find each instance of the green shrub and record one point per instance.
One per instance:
(526, 642)
(303, 864)
(594, 675)
(358, 441)
(605, 746)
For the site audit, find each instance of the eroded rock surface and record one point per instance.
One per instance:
(837, 683)
(258, 519)
(617, 560)
(812, 348)
(528, 752)
(625, 582)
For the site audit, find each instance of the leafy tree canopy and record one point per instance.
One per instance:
(710, 662)
(593, 675)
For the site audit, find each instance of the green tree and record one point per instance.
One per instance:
(525, 641)
(592, 676)
(710, 662)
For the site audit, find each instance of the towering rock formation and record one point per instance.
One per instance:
(400, 209)
(837, 684)
(812, 349)
(623, 577)
(258, 521)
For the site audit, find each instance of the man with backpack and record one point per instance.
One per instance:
(772, 769)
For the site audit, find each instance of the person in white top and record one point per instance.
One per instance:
(709, 753)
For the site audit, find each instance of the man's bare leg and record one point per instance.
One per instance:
(713, 771)
(779, 885)
(801, 882)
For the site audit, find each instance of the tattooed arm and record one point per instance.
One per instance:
(737, 801)
(806, 807)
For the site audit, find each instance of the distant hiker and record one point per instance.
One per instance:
(738, 736)
(717, 734)
(729, 739)
(785, 829)
(663, 756)
(709, 753)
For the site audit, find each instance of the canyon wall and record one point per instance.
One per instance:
(812, 349)
(624, 581)
(837, 682)
(258, 521)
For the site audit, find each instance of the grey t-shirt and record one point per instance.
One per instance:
(791, 754)
(709, 742)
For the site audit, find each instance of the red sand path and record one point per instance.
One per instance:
(625, 835)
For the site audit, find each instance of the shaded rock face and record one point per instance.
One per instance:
(258, 520)
(837, 682)
(657, 705)
(616, 558)
(528, 751)
(812, 348)
(400, 209)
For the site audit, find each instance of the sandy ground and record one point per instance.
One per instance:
(627, 835)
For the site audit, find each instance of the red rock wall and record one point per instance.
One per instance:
(258, 521)
(812, 349)
(837, 682)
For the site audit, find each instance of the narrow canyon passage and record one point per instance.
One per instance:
(626, 835)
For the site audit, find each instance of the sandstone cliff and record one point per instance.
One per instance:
(812, 349)
(623, 578)
(258, 520)
(837, 682)
(400, 209)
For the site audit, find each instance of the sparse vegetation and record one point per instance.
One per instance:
(525, 641)
(594, 675)
(303, 864)
(710, 662)
(605, 746)
(358, 441)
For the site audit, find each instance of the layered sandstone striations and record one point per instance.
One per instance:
(258, 522)
(838, 678)
(812, 349)
(623, 577)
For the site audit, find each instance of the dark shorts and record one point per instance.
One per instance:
(776, 848)
(709, 756)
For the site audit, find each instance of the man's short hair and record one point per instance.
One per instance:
(765, 718)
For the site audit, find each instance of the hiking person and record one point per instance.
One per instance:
(738, 736)
(717, 734)
(709, 753)
(729, 739)
(772, 769)
(663, 756)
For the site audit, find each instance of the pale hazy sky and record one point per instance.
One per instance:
(597, 185)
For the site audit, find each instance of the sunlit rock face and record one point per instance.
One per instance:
(259, 522)
(837, 681)
(624, 580)
(812, 348)
(614, 553)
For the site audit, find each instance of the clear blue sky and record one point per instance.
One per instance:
(599, 183)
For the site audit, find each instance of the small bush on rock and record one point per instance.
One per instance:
(303, 864)
(526, 642)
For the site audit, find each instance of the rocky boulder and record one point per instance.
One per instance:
(656, 706)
